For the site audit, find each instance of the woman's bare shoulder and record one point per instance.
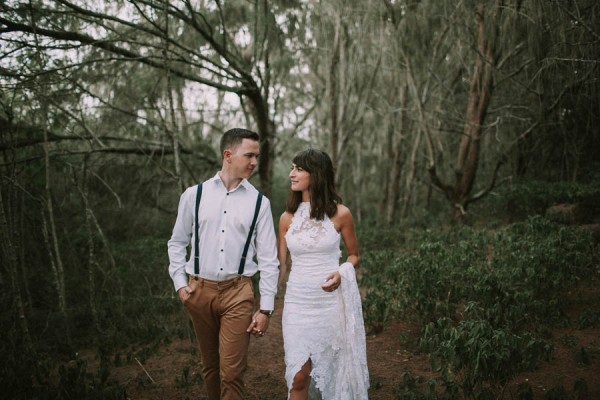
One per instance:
(343, 212)
(285, 219)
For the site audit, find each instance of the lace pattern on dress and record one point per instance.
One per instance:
(335, 341)
(339, 366)
(309, 231)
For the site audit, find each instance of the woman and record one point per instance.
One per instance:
(323, 330)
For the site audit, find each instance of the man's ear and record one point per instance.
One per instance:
(227, 154)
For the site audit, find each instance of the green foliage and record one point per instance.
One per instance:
(136, 308)
(475, 354)
(137, 298)
(76, 382)
(556, 393)
(524, 391)
(580, 389)
(526, 198)
(589, 319)
(187, 379)
(482, 296)
(31, 375)
(411, 388)
(122, 117)
(513, 277)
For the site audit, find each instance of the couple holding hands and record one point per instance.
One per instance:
(229, 223)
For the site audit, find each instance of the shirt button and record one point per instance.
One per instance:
(221, 269)
(227, 194)
(222, 230)
(224, 212)
(221, 249)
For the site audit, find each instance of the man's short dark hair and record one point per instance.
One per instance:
(233, 138)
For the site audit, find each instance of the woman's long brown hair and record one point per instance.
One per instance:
(323, 196)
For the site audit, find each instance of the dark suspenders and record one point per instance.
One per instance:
(248, 240)
(196, 251)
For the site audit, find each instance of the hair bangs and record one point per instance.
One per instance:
(305, 160)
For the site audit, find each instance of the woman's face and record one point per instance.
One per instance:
(300, 178)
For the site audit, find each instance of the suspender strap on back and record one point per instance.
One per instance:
(196, 251)
(249, 239)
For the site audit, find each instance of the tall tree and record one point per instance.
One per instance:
(210, 44)
(467, 160)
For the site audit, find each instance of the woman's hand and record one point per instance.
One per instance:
(332, 282)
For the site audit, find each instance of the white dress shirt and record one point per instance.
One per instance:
(224, 219)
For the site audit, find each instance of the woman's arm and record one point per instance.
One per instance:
(284, 223)
(345, 225)
(346, 228)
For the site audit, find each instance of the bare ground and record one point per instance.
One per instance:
(163, 375)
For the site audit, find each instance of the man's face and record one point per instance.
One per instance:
(243, 159)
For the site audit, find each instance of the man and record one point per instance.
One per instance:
(217, 290)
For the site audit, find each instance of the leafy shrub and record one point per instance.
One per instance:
(533, 264)
(187, 379)
(580, 389)
(478, 356)
(589, 319)
(378, 276)
(424, 284)
(414, 387)
(513, 278)
(556, 393)
(527, 198)
(478, 292)
(31, 376)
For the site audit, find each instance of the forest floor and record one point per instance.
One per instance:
(173, 372)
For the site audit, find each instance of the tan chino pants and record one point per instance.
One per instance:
(221, 312)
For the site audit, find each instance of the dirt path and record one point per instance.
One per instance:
(389, 355)
(265, 376)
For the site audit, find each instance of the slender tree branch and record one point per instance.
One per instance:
(578, 19)
(151, 152)
(492, 184)
(109, 46)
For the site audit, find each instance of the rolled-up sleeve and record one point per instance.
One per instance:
(266, 255)
(180, 239)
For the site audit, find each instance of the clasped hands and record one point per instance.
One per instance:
(259, 325)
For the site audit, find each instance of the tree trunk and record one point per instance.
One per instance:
(51, 241)
(20, 244)
(480, 93)
(410, 178)
(358, 180)
(11, 256)
(479, 98)
(172, 128)
(259, 108)
(92, 261)
(396, 161)
(334, 99)
(52, 236)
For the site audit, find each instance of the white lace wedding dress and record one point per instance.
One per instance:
(323, 327)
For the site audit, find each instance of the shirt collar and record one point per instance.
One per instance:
(244, 183)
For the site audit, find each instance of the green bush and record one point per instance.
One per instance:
(479, 357)
(481, 295)
(527, 198)
(34, 375)
(414, 387)
(513, 277)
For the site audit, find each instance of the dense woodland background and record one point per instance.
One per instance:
(440, 116)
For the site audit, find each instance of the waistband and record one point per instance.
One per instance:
(203, 282)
